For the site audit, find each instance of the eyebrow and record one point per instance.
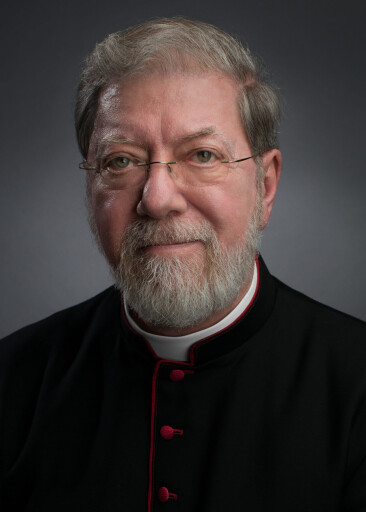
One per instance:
(210, 130)
(121, 140)
(204, 132)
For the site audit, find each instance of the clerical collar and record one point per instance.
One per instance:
(176, 348)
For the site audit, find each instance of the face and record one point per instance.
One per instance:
(165, 119)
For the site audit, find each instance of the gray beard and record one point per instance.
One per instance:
(180, 291)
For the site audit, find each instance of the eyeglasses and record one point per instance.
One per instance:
(202, 169)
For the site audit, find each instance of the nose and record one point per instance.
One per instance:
(161, 195)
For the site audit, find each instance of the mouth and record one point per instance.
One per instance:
(170, 246)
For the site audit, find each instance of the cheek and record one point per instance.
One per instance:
(229, 210)
(113, 211)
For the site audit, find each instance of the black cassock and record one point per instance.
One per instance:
(268, 415)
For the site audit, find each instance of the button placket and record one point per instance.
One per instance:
(168, 433)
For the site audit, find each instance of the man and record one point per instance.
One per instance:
(200, 382)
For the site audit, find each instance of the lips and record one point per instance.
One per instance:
(173, 242)
(168, 243)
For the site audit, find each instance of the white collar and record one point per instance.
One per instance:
(176, 348)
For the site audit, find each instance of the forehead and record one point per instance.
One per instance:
(159, 109)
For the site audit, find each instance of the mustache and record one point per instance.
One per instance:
(150, 232)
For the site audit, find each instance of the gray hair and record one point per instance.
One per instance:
(169, 45)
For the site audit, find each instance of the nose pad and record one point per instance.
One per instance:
(160, 195)
(168, 164)
(170, 168)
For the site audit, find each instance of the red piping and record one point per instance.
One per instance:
(152, 431)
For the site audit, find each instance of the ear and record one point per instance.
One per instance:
(272, 170)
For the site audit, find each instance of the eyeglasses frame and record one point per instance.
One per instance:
(83, 165)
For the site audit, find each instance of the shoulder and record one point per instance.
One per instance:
(328, 340)
(307, 312)
(298, 316)
(64, 326)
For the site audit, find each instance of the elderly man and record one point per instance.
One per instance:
(199, 382)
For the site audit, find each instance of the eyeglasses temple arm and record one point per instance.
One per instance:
(240, 160)
(86, 167)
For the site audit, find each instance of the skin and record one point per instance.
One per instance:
(155, 113)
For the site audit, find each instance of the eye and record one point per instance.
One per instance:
(204, 156)
(118, 163)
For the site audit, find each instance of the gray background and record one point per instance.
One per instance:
(316, 238)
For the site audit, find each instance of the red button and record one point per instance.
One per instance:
(168, 433)
(164, 495)
(176, 375)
